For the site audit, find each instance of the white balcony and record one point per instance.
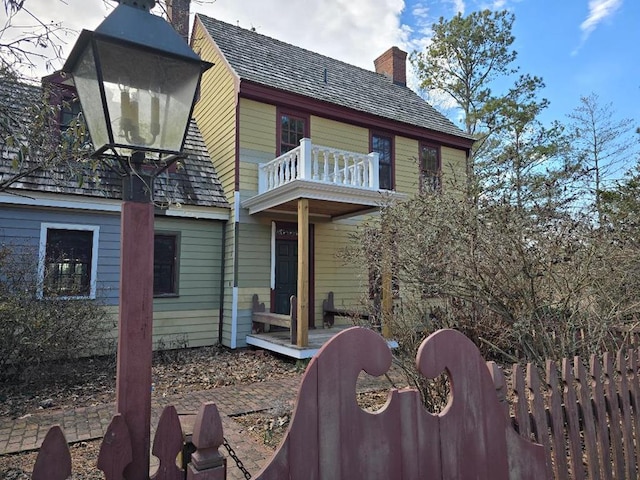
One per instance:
(320, 164)
(338, 182)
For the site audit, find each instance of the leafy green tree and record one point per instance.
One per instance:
(525, 162)
(466, 54)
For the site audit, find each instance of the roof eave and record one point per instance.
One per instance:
(267, 94)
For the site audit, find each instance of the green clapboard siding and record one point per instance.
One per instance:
(193, 315)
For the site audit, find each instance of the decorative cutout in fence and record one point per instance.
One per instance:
(331, 437)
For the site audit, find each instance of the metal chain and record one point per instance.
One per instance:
(233, 455)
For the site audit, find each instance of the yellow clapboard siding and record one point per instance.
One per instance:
(257, 134)
(406, 165)
(453, 170)
(257, 126)
(343, 136)
(333, 273)
(215, 111)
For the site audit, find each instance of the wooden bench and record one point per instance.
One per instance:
(330, 312)
(262, 320)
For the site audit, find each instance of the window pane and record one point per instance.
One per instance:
(68, 262)
(69, 111)
(291, 132)
(382, 146)
(164, 265)
(429, 167)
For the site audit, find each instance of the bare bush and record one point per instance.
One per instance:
(524, 286)
(37, 331)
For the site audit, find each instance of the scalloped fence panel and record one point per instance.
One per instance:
(331, 437)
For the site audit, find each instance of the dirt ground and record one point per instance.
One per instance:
(92, 381)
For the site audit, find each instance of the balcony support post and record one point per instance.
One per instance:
(302, 339)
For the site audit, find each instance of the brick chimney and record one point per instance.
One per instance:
(393, 64)
(178, 16)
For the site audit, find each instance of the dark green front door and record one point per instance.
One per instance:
(286, 274)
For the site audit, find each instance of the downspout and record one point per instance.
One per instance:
(236, 230)
(223, 256)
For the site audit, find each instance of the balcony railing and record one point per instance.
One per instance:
(320, 164)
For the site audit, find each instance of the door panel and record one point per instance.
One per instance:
(286, 274)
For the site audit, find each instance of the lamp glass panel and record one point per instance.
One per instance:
(88, 88)
(149, 97)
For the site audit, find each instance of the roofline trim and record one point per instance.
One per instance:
(255, 91)
(70, 202)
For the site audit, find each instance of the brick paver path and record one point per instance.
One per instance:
(88, 423)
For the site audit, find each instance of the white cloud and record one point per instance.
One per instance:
(599, 10)
(458, 6)
(354, 31)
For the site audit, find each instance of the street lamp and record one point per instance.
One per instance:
(137, 81)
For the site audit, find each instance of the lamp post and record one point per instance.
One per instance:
(136, 80)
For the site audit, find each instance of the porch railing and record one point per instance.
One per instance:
(320, 164)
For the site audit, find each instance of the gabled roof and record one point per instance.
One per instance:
(195, 183)
(275, 64)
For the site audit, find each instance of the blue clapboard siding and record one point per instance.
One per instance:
(189, 318)
(21, 227)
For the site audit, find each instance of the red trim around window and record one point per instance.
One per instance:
(391, 137)
(435, 184)
(280, 112)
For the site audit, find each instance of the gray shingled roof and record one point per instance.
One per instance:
(196, 183)
(270, 62)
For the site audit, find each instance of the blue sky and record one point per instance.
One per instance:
(576, 46)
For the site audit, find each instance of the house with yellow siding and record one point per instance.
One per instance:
(304, 146)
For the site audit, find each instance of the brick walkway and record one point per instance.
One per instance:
(89, 423)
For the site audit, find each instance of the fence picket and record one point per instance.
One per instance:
(167, 444)
(573, 422)
(600, 408)
(54, 460)
(540, 422)
(588, 421)
(556, 418)
(520, 403)
(635, 397)
(613, 409)
(115, 451)
(627, 424)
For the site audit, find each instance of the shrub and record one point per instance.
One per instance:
(34, 332)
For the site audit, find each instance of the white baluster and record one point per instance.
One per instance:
(325, 170)
(365, 172)
(336, 169)
(374, 171)
(346, 169)
(316, 165)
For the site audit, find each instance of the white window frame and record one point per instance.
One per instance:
(42, 255)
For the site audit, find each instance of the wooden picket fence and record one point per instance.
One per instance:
(587, 418)
(584, 422)
(206, 463)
